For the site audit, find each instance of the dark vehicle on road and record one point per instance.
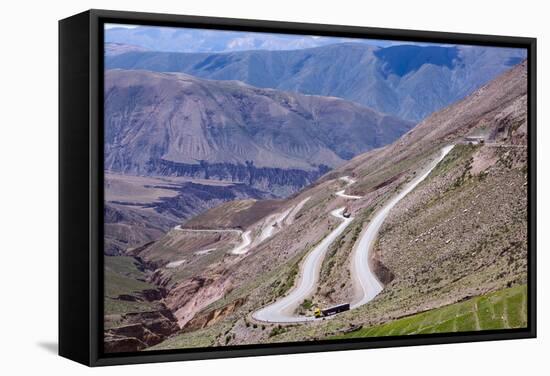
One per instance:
(332, 310)
(347, 212)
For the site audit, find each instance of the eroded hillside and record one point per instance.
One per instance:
(172, 124)
(460, 233)
(407, 81)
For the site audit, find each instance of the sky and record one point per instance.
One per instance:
(112, 26)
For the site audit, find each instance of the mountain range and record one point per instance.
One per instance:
(173, 124)
(459, 235)
(232, 157)
(407, 81)
(177, 39)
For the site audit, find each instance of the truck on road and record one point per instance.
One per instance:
(331, 310)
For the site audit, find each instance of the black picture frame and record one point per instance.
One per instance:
(81, 185)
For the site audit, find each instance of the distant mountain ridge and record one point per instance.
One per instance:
(407, 81)
(177, 125)
(113, 49)
(178, 39)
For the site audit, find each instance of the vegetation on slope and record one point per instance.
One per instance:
(459, 234)
(503, 309)
(123, 283)
(135, 315)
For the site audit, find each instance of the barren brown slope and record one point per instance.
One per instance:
(206, 278)
(140, 209)
(234, 214)
(174, 124)
(490, 106)
(485, 252)
(460, 233)
(473, 177)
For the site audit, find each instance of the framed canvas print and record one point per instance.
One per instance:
(238, 187)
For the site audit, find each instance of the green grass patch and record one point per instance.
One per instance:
(118, 284)
(124, 265)
(123, 277)
(504, 309)
(120, 307)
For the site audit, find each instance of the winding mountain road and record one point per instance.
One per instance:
(290, 218)
(272, 222)
(342, 193)
(270, 227)
(240, 249)
(367, 285)
(283, 309)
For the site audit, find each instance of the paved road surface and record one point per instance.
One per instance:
(283, 309)
(274, 222)
(368, 285)
(242, 248)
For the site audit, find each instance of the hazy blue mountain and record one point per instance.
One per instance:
(177, 39)
(174, 124)
(408, 81)
(112, 49)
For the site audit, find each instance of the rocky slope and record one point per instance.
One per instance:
(178, 125)
(497, 110)
(135, 314)
(408, 81)
(460, 233)
(139, 210)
